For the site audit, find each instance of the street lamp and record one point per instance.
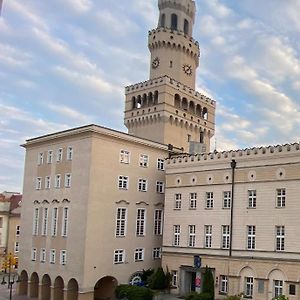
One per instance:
(11, 281)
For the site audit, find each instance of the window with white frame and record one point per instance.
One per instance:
(278, 288)
(139, 254)
(160, 187)
(225, 236)
(18, 230)
(141, 222)
(38, 183)
(208, 236)
(156, 253)
(158, 222)
(176, 235)
(223, 284)
(65, 222)
(43, 255)
(174, 275)
(142, 185)
(209, 200)
(16, 248)
(40, 158)
(63, 257)
(193, 200)
(192, 236)
(54, 221)
(70, 153)
(57, 181)
(177, 201)
(33, 254)
(52, 255)
(249, 287)
(47, 182)
(280, 238)
(59, 155)
(45, 221)
(160, 164)
(226, 199)
(144, 160)
(124, 156)
(280, 199)
(68, 179)
(119, 256)
(49, 157)
(35, 225)
(252, 199)
(251, 237)
(121, 219)
(123, 182)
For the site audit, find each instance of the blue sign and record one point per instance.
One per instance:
(197, 261)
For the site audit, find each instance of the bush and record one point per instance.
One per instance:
(146, 275)
(235, 297)
(197, 296)
(281, 297)
(208, 283)
(132, 292)
(158, 280)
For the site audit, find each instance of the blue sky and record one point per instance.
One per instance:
(64, 63)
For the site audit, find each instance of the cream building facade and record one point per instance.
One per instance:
(237, 212)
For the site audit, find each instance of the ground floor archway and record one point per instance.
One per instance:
(72, 289)
(45, 288)
(105, 288)
(23, 284)
(34, 285)
(58, 289)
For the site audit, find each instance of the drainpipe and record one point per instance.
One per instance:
(233, 166)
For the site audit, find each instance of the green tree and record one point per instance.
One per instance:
(208, 284)
(158, 280)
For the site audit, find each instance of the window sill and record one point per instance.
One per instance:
(251, 207)
(223, 293)
(192, 208)
(176, 208)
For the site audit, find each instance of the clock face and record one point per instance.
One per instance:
(187, 69)
(155, 63)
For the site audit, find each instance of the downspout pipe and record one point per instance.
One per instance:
(233, 166)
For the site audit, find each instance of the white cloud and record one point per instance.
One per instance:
(79, 6)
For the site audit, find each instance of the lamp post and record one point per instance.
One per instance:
(11, 281)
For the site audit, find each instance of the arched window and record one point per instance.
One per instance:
(139, 102)
(186, 26)
(155, 97)
(205, 113)
(177, 101)
(184, 104)
(174, 21)
(133, 102)
(198, 110)
(192, 107)
(145, 102)
(150, 99)
(163, 20)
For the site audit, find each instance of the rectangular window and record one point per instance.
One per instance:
(45, 221)
(280, 238)
(144, 160)
(249, 286)
(121, 222)
(193, 200)
(18, 229)
(280, 200)
(292, 289)
(35, 225)
(176, 237)
(160, 187)
(59, 155)
(123, 182)
(209, 200)
(278, 288)
(16, 247)
(70, 153)
(223, 284)
(225, 236)
(68, 179)
(142, 185)
(141, 222)
(124, 156)
(33, 254)
(252, 199)
(47, 182)
(49, 157)
(52, 256)
(119, 256)
(156, 253)
(139, 254)
(54, 221)
(192, 236)
(174, 278)
(158, 222)
(38, 183)
(57, 181)
(177, 201)
(43, 255)
(208, 236)
(251, 237)
(40, 158)
(226, 199)
(65, 222)
(160, 164)
(63, 257)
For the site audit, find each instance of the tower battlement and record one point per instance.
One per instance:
(188, 6)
